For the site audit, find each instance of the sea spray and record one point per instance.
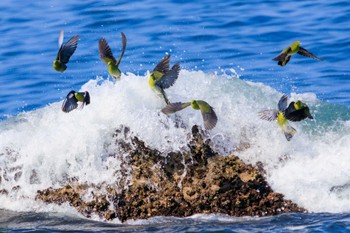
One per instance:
(46, 147)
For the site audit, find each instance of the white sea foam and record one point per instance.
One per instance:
(47, 146)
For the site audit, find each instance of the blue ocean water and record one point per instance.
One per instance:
(223, 37)
(203, 35)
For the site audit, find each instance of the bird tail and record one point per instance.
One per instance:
(288, 131)
(163, 94)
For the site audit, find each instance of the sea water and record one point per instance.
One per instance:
(225, 50)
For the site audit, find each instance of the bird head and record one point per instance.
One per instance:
(299, 105)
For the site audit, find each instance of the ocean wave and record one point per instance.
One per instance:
(45, 147)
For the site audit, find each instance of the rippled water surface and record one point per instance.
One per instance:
(208, 36)
(213, 36)
(202, 223)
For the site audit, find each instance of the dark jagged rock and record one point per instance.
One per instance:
(196, 180)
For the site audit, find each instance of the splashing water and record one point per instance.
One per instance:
(46, 147)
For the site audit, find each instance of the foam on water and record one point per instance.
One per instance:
(45, 147)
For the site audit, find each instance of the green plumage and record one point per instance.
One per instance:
(65, 52)
(107, 57)
(298, 111)
(162, 78)
(282, 115)
(284, 57)
(209, 116)
(71, 101)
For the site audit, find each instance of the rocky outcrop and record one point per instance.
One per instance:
(196, 180)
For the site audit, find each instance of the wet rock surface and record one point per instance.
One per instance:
(173, 184)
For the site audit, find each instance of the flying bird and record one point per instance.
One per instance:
(65, 52)
(71, 101)
(284, 57)
(298, 111)
(162, 78)
(209, 116)
(271, 115)
(107, 57)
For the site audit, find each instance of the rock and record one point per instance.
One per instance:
(180, 184)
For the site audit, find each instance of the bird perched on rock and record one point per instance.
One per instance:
(298, 111)
(65, 52)
(162, 78)
(287, 53)
(107, 57)
(209, 117)
(271, 115)
(71, 101)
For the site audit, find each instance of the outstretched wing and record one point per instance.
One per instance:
(60, 39)
(70, 102)
(169, 78)
(282, 103)
(209, 116)
(123, 48)
(175, 107)
(268, 114)
(106, 54)
(68, 49)
(163, 65)
(306, 53)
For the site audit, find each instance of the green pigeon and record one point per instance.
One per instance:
(209, 117)
(298, 111)
(107, 57)
(65, 52)
(284, 57)
(71, 101)
(162, 78)
(271, 115)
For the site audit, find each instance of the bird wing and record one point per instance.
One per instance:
(285, 61)
(175, 107)
(60, 39)
(306, 53)
(209, 116)
(297, 115)
(283, 54)
(268, 115)
(163, 65)
(70, 102)
(280, 57)
(169, 78)
(282, 103)
(86, 98)
(106, 54)
(68, 49)
(123, 48)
